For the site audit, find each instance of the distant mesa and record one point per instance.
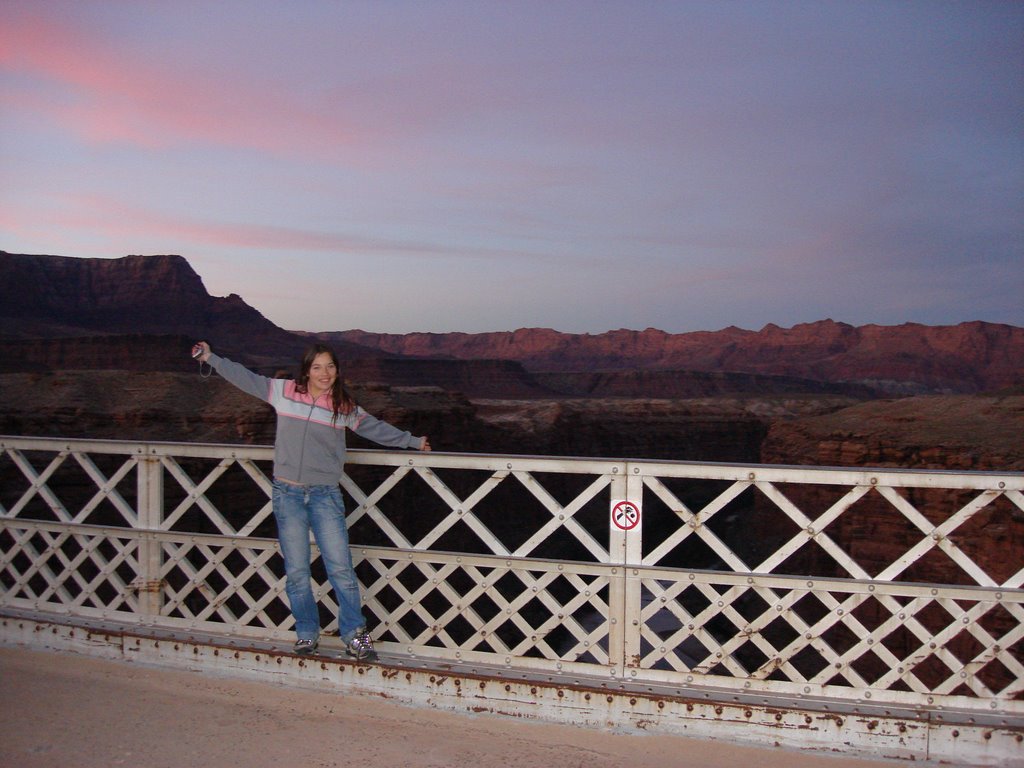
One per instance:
(139, 312)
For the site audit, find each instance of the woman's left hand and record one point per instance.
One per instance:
(426, 445)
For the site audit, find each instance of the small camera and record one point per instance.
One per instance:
(196, 352)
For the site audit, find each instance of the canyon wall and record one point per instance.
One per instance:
(906, 359)
(730, 395)
(111, 307)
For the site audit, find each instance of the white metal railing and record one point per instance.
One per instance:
(892, 586)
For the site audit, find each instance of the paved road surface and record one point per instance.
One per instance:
(75, 711)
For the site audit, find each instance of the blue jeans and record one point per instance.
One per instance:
(298, 509)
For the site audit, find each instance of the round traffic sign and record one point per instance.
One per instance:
(625, 515)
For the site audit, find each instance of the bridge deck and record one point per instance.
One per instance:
(179, 698)
(74, 709)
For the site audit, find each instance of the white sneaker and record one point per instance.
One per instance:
(360, 647)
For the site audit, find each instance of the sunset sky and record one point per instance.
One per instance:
(476, 165)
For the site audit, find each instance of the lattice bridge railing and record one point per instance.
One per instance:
(892, 586)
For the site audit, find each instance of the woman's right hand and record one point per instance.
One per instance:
(201, 352)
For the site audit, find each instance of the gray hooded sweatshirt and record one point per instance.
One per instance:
(310, 446)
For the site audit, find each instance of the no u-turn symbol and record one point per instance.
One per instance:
(625, 515)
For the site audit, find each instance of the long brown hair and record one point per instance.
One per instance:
(341, 400)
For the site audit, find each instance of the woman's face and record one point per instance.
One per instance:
(322, 374)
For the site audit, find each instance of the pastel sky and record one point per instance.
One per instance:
(476, 165)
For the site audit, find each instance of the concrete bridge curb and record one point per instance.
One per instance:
(571, 700)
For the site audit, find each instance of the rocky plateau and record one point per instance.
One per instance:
(98, 348)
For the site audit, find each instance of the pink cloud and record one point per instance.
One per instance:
(109, 95)
(221, 91)
(123, 223)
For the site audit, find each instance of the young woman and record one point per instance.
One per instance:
(313, 412)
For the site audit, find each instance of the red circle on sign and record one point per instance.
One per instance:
(625, 515)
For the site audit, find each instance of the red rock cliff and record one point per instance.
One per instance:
(910, 358)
